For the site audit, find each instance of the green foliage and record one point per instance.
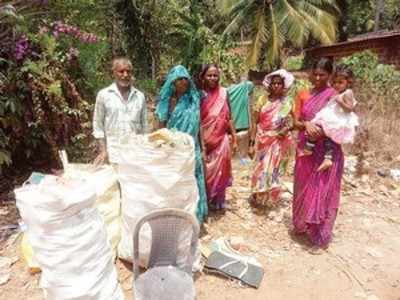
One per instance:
(95, 67)
(274, 24)
(220, 51)
(203, 45)
(299, 85)
(147, 86)
(145, 28)
(47, 90)
(190, 30)
(382, 79)
(359, 16)
(41, 107)
(294, 63)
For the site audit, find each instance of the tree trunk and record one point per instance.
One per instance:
(379, 8)
(343, 20)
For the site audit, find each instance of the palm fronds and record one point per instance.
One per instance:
(274, 23)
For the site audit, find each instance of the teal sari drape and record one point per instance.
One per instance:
(185, 118)
(239, 96)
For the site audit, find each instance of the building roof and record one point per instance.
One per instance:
(374, 35)
(360, 39)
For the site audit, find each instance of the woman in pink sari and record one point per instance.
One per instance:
(316, 193)
(216, 126)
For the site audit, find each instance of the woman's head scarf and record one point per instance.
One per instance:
(287, 77)
(168, 90)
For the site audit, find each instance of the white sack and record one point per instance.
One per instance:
(108, 196)
(153, 176)
(69, 239)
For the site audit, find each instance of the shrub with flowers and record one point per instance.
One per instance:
(42, 104)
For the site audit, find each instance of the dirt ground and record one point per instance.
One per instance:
(362, 262)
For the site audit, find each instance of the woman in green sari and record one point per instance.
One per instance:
(179, 108)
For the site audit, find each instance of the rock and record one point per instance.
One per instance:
(383, 172)
(246, 226)
(365, 178)
(350, 164)
(395, 284)
(286, 196)
(360, 295)
(4, 276)
(288, 186)
(5, 262)
(237, 242)
(395, 174)
(206, 238)
(383, 189)
(350, 181)
(367, 223)
(374, 253)
(279, 218)
(272, 215)
(5, 269)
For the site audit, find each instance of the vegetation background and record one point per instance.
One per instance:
(55, 56)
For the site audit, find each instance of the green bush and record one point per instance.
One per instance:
(148, 86)
(382, 79)
(294, 63)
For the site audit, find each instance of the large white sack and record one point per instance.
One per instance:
(108, 203)
(69, 239)
(108, 196)
(153, 176)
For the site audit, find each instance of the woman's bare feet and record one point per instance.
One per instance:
(315, 250)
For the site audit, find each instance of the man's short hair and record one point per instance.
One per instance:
(121, 60)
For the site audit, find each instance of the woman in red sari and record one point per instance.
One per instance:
(316, 193)
(216, 126)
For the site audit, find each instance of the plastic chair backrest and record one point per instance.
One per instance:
(169, 229)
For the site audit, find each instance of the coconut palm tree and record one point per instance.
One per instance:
(275, 23)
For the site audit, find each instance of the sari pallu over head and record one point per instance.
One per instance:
(185, 118)
(186, 115)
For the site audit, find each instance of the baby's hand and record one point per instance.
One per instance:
(339, 100)
(345, 103)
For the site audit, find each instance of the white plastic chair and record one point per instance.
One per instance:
(169, 273)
